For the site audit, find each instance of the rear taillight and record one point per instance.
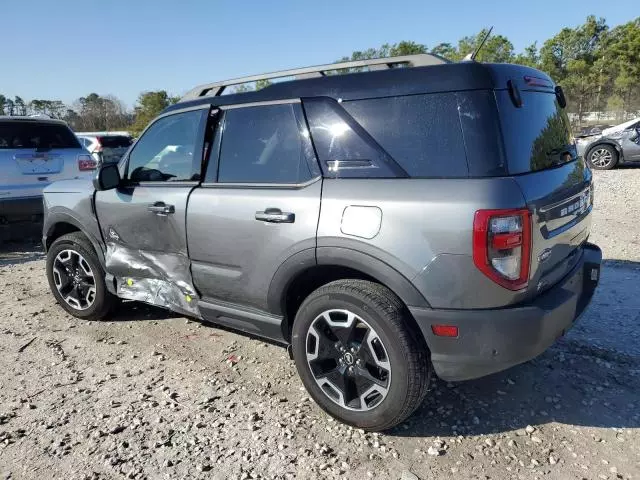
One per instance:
(86, 163)
(502, 246)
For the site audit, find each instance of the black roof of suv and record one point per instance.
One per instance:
(438, 77)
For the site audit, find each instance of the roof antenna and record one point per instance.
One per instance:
(471, 57)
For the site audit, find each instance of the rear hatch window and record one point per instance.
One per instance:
(115, 141)
(24, 135)
(114, 147)
(536, 135)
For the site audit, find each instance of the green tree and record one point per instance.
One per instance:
(20, 106)
(497, 48)
(149, 105)
(9, 107)
(404, 47)
(3, 100)
(530, 57)
(447, 51)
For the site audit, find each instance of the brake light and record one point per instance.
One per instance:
(86, 163)
(502, 246)
(537, 82)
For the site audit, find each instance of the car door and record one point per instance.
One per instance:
(258, 208)
(143, 220)
(630, 143)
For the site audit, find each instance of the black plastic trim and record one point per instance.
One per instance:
(251, 321)
(374, 268)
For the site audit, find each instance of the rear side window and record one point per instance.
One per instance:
(264, 144)
(536, 135)
(421, 133)
(24, 134)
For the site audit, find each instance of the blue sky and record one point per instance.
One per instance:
(65, 49)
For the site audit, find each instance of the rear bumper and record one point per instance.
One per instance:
(20, 207)
(495, 339)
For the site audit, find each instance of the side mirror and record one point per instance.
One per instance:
(107, 177)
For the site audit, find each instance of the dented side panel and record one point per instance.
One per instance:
(146, 247)
(162, 279)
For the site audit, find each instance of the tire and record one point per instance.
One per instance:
(603, 157)
(373, 321)
(66, 252)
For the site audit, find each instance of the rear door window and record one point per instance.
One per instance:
(536, 135)
(25, 134)
(421, 133)
(264, 144)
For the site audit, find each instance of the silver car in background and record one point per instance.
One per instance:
(612, 146)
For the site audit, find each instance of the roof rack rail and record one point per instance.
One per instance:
(418, 60)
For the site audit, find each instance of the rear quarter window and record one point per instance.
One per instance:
(24, 134)
(422, 133)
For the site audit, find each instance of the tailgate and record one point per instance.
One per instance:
(25, 172)
(39, 163)
(33, 154)
(560, 201)
(556, 184)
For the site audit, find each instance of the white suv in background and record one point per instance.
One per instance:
(106, 147)
(35, 152)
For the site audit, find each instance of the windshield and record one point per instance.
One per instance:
(24, 134)
(536, 135)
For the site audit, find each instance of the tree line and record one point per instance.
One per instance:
(598, 67)
(94, 112)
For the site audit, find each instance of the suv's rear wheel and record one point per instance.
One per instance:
(358, 357)
(76, 278)
(603, 157)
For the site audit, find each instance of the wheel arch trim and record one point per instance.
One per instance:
(304, 262)
(55, 218)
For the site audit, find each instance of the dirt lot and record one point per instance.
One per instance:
(151, 395)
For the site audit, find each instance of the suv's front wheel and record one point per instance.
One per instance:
(357, 356)
(76, 278)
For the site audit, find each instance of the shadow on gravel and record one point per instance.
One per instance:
(590, 377)
(20, 243)
(557, 387)
(129, 311)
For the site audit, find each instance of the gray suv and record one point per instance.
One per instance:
(380, 222)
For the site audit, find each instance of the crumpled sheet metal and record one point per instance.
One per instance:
(156, 278)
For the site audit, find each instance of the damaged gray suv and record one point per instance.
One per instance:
(383, 223)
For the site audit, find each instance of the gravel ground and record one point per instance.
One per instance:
(152, 395)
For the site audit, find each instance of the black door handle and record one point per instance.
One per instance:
(275, 215)
(161, 209)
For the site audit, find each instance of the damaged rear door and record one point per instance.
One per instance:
(143, 222)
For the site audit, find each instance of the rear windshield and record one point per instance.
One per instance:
(536, 135)
(29, 135)
(115, 141)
